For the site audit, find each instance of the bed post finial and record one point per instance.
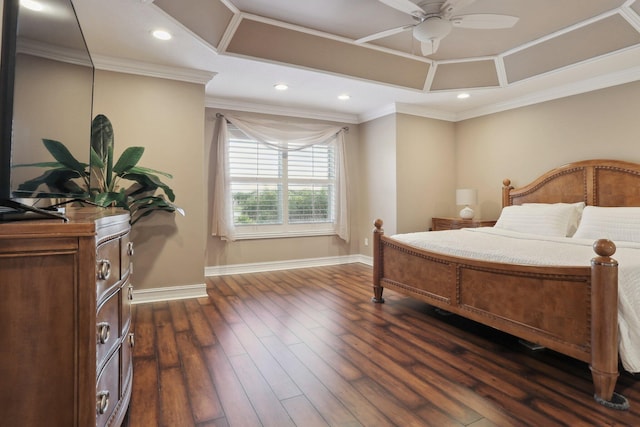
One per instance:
(377, 261)
(604, 326)
(506, 191)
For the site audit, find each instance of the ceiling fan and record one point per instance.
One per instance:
(435, 20)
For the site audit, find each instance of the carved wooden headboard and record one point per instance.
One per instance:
(595, 182)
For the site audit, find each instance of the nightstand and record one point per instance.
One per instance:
(456, 223)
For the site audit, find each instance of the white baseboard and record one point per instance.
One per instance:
(200, 290)
(169, 293)
(257, 267)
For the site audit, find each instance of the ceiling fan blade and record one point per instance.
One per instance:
(385, 33)
(484, 21)
(405, 6)
(429, 47)
(450, 7)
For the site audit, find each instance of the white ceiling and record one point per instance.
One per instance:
(118, 35)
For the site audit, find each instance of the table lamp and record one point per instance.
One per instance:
(466, 197)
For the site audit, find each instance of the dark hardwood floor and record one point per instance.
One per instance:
(307, 348)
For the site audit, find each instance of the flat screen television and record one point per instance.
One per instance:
(46, 92)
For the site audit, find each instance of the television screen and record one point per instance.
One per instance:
(52, 99)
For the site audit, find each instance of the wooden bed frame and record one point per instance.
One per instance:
(572, 310)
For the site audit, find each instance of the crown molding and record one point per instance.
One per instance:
(418, 110)
(589, 85)
(251, 107)
(128, 66)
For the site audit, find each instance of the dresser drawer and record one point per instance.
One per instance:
(107, 267)
(126, 253)
(108, 390)
(126, 362)
(126, 297)
(107, 327)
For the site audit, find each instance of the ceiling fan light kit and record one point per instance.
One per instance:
(435, 20)
(432, 28)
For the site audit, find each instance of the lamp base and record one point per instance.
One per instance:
(466, 213)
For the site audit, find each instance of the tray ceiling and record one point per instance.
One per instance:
(318, 36)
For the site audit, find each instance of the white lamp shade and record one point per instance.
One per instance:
(466, 196)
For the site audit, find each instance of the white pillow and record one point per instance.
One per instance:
(574, 219)
(541, 219)
(614, 223)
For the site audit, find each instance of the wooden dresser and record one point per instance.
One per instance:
(65, 317)
(456, 223)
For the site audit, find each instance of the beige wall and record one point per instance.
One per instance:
(377, 177)
(219, 252)
(167, 118)
(425, 165)
(523, 143)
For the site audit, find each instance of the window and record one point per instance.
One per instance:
(277, 193)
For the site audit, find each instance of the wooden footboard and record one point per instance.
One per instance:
(572, 310)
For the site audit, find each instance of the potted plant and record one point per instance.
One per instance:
(123, 184)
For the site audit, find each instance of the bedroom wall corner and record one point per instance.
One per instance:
(426, 178)
(377, 190)
(165, 117)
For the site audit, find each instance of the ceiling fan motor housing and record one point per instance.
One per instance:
(432, 28)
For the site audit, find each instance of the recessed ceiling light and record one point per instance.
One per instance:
(463, 95)
(32, 5)
(280, 86)
(161, 34)
(344, 97)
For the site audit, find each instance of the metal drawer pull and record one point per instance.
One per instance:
(130, 248)
(130, 292)
(102, 402)
(103, 332)
(104, 269)
(131, 340)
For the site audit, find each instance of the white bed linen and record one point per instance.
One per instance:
(491, 244)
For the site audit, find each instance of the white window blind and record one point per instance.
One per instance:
(281, 191)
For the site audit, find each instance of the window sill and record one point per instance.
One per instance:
(284, 234)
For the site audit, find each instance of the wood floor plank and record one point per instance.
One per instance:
(327, 404)
(390, 382)
(396, 411)
(455, 408)
(303, 413)
(224, 334)
(274, 374)
(199, 324)
(144, 408)
(205, 404)
(179, 317)
(144, 331)
(175, 409)
(166, 339)
(237, 407)
(357, 404)
(266, 404)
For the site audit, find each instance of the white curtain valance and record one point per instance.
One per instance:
(281, 136)
(284, 136)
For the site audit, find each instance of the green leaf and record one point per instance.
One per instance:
(96, 160)
(111, 199)
(63, 155)
(102, 141)
(56, 180)
(102, 137)
(141, 169)
(149, 183)
(40, 165)
(128, 160)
